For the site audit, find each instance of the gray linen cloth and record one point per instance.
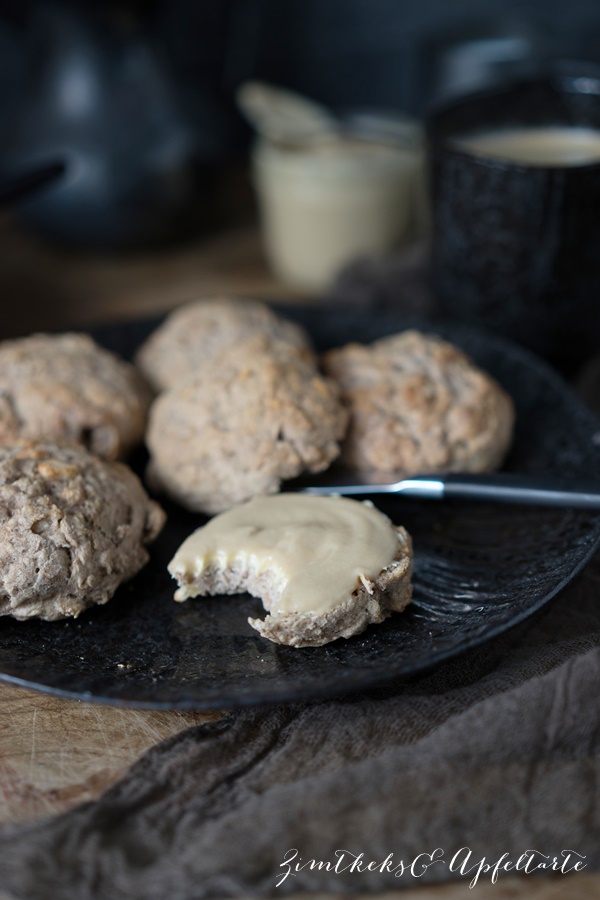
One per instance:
(497, 751)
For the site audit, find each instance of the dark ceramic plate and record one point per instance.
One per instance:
(479, 570)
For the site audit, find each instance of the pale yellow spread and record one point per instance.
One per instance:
(321, 547)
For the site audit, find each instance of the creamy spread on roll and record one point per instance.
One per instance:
(321, 548)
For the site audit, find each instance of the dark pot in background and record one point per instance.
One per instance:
(139, 166)
(516, 247)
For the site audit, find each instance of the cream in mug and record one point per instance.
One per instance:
(547, 146)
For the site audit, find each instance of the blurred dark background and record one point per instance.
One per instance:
(343, 52)
(136, 99)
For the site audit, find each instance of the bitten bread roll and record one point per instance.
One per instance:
(261, 414)
(72, 528)
(66, 387)
(193, 335)
(418, 405)
(323, 567)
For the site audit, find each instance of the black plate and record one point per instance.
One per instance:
(479, 570)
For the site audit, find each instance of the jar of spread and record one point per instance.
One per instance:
(330, 201)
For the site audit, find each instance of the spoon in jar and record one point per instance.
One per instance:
(285, 117)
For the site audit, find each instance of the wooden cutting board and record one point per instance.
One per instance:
(56, 753)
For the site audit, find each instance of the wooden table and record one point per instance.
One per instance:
(56, 753)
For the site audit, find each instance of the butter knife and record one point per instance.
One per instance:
(539, 490)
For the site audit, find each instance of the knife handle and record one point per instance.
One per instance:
(539, 490)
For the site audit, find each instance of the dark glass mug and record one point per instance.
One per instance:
(516, 247)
